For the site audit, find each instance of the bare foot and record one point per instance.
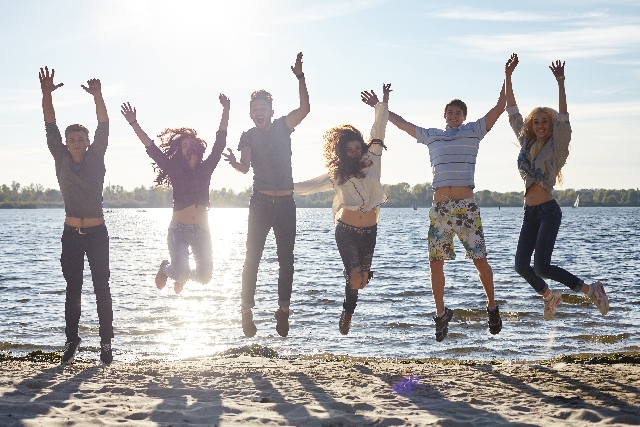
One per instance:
(178, 286)
(161, 278)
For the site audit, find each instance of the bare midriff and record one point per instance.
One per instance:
(359, 219)
(83, 222)
(444, 194)
(277, 192)
(536, 194)
(191, 215)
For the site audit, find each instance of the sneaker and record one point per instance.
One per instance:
(345, 322)
(70, 349)
(599, 297)
(248, 327)
(161, 278)
(178, 286)
(495, 322)
(106, 356)
(442, 324)
(551, 304)
(282, 327)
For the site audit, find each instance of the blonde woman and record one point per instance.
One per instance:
(544, 137)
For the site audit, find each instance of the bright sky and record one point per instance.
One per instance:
(171, 59)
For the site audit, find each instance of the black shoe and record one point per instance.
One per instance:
(495, 322)
(106, 356)
(282, 327)
(345, 322)
(248, 327)
(442, 324)
(70, 349)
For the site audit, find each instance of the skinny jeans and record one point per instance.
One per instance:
(95, 244)
(180, 237)
(356, 246)
(538, 233)
(267, 212)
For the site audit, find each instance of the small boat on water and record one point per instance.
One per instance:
(577, 202)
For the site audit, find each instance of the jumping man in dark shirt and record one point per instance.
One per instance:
(80, 171)
(267, 148)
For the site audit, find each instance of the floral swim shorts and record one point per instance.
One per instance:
(461, 217)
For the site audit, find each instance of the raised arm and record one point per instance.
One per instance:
(95, 88)
(558, 71)
(47, 86)
(226, 106)
(492, 116)
(296, 116)
(402, 124)
(129, 114)
(382, 116)
(511, 65)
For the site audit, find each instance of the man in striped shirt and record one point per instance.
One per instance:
(453, 152)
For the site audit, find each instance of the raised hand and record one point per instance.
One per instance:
(224, 101)
(369, 98)
(386, 90)
(128, 112)
(93, 87)
(230, 157)
(511, 64)
(46, 80)
(557, 69)
(297, 67)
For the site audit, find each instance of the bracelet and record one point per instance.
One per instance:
(299, 76)
(131, 123)
(560, 78)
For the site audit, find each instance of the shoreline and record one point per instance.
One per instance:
(239, 389)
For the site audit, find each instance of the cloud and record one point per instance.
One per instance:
(586, 42)
(330, 9)
(477, 14)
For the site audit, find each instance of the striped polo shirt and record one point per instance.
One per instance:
(453, 152)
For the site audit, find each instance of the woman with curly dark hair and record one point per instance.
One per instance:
(179, 164)
(354, 175)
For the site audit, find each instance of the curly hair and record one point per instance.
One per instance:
(529, 133)
(171, 146)
(335, 153)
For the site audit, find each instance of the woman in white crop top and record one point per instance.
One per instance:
(354, 175)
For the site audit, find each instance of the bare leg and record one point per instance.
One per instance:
(358, 280)
(437, 283)
(486, 278)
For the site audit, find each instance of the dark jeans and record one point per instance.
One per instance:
(539, 231)
(96, 245)
(356, 246)
(179, 237)
(266, 212)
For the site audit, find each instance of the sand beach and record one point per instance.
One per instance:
(240, 389)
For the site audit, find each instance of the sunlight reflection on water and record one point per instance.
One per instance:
(393, 318)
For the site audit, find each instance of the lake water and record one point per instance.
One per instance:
(394, 315)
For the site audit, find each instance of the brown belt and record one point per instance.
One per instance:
(86, 230)
(272, 199)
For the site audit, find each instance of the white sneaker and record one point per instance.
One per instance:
(599, 297)
(551, 304)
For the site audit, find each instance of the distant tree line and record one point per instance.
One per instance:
(15, 196)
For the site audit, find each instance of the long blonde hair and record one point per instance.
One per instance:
(529, 133)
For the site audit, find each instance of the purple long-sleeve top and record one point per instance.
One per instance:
(190, 186)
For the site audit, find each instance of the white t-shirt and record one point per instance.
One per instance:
(356, 194)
